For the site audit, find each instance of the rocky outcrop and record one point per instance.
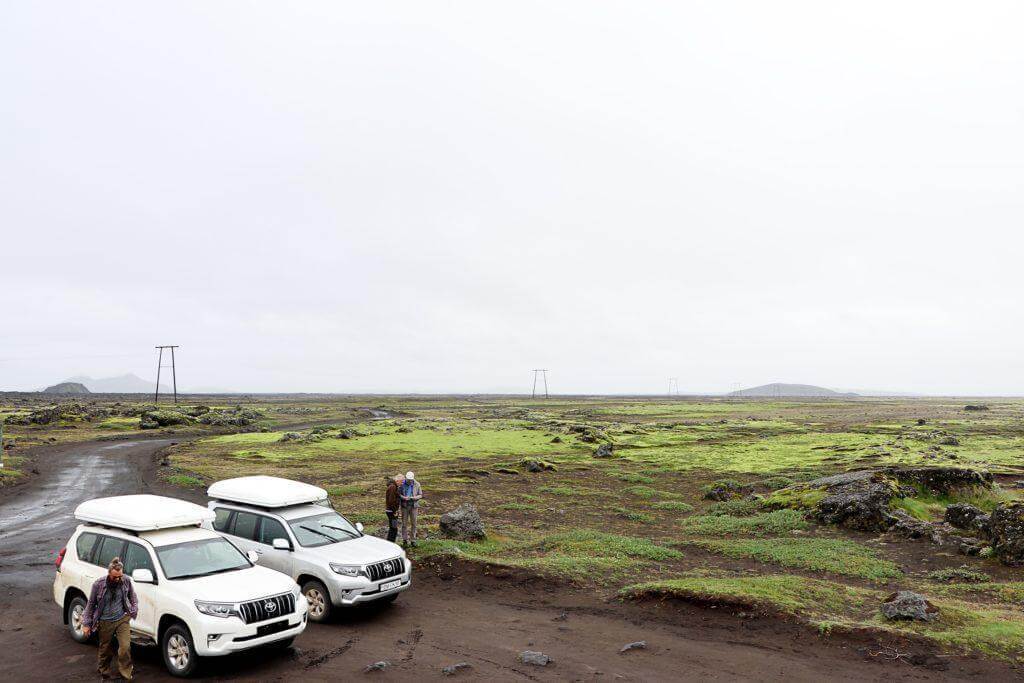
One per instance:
(726, 489)
(909, 606)
(233, 417)
(941, 480)
(605, 450)
(967, 517)
(462, 523)
(856, 500)
(1006, 528)
(163, 418)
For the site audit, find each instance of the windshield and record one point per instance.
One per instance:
(330, 527)
(200, 558)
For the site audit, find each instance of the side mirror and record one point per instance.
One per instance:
(143, 576)
(253, 557)
(359, 527)
(281, 544)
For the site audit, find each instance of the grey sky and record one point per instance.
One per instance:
(327, 196)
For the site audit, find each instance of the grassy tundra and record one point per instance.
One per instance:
(638, 523)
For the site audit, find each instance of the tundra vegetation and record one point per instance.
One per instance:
(712, 502)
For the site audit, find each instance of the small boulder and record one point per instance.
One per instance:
(1006, 528)
(557, 439)
(603, 451)
(453, 669)
(975, 407)
(727, 489)
(534, 658)
(909, 606)
(377, 666)
(532, 465)
(638, 645)
(949, 441)
(462, 523)
(290, 436)
(966, 516)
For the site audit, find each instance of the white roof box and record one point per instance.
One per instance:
(267, 492)
(143, 512)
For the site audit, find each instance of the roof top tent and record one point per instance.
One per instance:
(268, 492)
(143, 512)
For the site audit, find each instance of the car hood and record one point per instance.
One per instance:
(362, 550)
(237, 586)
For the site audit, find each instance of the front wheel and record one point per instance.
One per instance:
(76, 615)
(179, 652)
(319, 601)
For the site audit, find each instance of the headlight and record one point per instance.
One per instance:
(346, 569)
(217, 609)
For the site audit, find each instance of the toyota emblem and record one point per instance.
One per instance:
(387, 567)
(270, 606)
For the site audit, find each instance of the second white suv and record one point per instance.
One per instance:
(288, 525)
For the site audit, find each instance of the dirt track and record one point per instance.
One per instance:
(452, 614)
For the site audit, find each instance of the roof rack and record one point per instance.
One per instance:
(142, 512)
(266, 492)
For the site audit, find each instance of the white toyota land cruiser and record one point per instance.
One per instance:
(199, 596)
(291, 527)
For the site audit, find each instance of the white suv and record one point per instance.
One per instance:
(290, 526)
(199, 596)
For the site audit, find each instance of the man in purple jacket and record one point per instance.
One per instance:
(112, 605)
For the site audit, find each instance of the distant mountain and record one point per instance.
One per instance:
(125, 384)
(67, 388)
(777, 390)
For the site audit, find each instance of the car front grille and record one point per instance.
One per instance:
(267, 608)
(385, 569)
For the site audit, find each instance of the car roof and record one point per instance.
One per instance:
(289, 512)
(177, 535)
(142, 512)
(267, 492)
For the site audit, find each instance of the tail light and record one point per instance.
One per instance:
(60, 557)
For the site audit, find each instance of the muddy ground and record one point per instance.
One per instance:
(452, 614)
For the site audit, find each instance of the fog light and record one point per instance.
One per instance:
(212, 638)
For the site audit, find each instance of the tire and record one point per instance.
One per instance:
(319, 599)
(178, 651)
(76, 610)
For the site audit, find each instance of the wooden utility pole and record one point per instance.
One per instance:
(174, 373)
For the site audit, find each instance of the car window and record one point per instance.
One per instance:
(220, 522)
(137, 557)
(271, 529)
(84, 546)
(245, 525)
(110, 548)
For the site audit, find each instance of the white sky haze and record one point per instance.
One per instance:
(438, 197)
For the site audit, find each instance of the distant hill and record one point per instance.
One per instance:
(125, 384)
(67, 388)
(777, 390)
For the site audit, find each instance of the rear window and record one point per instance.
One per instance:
(110, 548)
(245, 525)
(84, 546)
(220, 522)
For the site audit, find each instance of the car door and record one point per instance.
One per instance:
(105, 549)
(137, 556)
(244, 526)
(271, 557)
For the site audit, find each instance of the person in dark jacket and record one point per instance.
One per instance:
(112, 605)
(391, 505)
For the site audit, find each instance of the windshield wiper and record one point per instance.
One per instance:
(330, 538)
(209, 573)
(338, 528)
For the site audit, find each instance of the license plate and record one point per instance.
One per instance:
(389, 585)
(275, 627)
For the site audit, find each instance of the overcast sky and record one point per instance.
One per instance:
(439, 197)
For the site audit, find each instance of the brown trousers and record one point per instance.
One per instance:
(108, 632)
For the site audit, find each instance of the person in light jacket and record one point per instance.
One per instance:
(410, 494)
(112, 605)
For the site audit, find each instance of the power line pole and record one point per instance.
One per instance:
(544, 374)
(673, 386)
(174, 372)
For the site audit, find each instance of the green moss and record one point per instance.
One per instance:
(767, 523)
(633, 515)
(348, 489)
(185, 481)
(784, 593)
(644, 492)
(674, 505)
(814, 554)
(796, 497)
(738, 507)
(958, 575)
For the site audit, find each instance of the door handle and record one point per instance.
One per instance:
(258, 551)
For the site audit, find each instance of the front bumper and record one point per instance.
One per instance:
(215, 636)
(346, 591)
